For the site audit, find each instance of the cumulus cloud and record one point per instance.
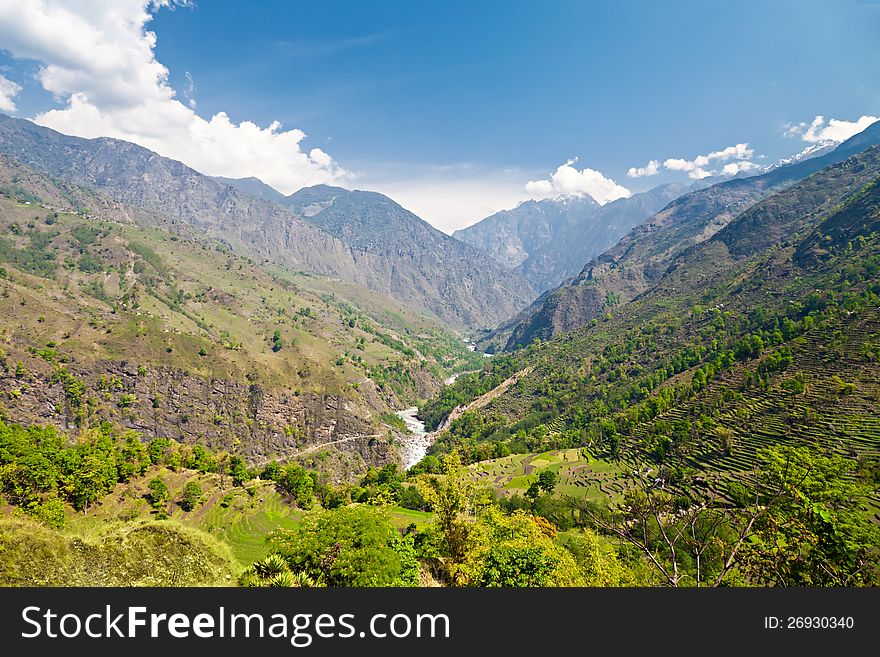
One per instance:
(652, 168)
(8, 91)
(98, 59)
(569, 181)
(698, 167)
(833, 130)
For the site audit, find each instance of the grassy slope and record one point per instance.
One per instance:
(113, 293)
(144, 553)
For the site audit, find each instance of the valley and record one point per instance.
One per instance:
(290, 396)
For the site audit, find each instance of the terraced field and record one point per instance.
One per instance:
(244, 521)
(580, 473)
(839, 406)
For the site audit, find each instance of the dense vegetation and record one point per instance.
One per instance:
(756, 348)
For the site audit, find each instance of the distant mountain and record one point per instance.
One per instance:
(254, 187)
(641, 258)
(548, 241)
(426, 264)
(475, 293)
(512, 236)
(814, 150)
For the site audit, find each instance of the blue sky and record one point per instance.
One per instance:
(453, 107)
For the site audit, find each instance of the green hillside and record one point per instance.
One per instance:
(174, 335)
(766, 334)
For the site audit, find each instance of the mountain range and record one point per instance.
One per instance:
(642, 256)
(548, 241)
(453, 282)
(747, 320)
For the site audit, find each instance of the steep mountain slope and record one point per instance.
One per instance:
(253, 186)
(425, 263)
(511, 236)
(635, 263)
(175, 195)
(549, 241)
(768, 332)
(173, 335)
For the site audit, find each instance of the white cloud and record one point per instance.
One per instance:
(834, 130)
(569, 181)
(698, 167)
(8, 91)
(652, 168)
(734, 168)
(98, 58)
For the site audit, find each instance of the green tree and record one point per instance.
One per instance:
(452, 498)
(349, 546)
(133, 457)
(238, 470)
(547, 481)
(157, 449)
(299, 483)
(192, 495)
(158, 494)
(814, 531)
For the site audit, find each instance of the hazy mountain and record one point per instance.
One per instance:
(426, 264)
(472, 294)
(254, 187)
(635, 263)
(548, 241)
(511, 236)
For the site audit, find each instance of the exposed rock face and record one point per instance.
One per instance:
(253, 421)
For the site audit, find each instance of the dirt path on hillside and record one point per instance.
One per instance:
(312, 448)
(480, 401)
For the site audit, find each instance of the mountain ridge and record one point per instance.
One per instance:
(176, 194)
(628, 268)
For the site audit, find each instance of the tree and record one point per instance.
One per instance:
(157, 449)
(299, 483)
(276, 341)
(133, 457)
(349, 546)
(452, 498)
(813, 532)
(533, 491)
(238, 470)
(93, 473)
(192, 495)
(158, 494)
(547, 481)
(517, 550)
(677, 538)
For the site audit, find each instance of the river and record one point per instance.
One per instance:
(416, 444)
